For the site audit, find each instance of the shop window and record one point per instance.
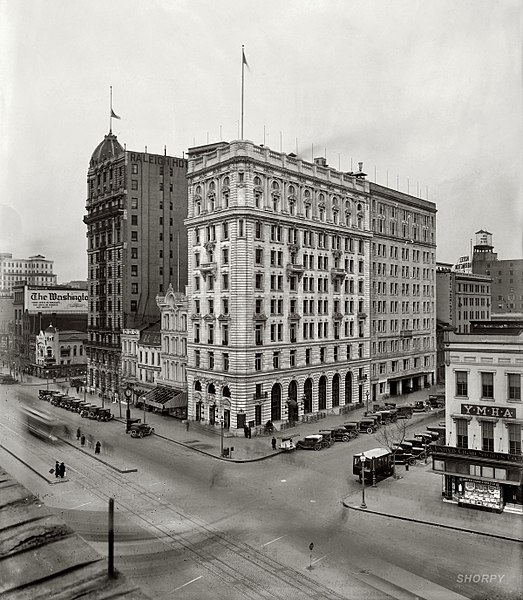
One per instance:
(487, 385)
(461, 383)
(438, 465)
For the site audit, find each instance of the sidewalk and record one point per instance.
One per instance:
(416, 497)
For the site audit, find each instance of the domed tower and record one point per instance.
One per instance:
(136, 204)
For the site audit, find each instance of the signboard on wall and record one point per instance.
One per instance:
(65, 301)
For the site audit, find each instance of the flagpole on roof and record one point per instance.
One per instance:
(244, 62)
(110, 109)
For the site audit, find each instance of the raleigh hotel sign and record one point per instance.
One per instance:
(476, 410)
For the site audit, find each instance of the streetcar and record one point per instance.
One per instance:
(42, 424)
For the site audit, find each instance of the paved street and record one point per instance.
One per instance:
(243, 529)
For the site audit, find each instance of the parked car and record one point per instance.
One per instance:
(140, 429)
(311, 442)
(414, 449)
(352, 428)
(45, 395)
(104, 414)
(404, 412)
(436, 400)
(419, 406)
(287, 444)
(377, 416)
(339, 434)
(328, 438)
(367, 425)
(403, 456)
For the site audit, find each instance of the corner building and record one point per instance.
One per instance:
(136, 245)
(403, 292)
(278, 291)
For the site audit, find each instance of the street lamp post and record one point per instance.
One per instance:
(367, 397)
(363, 458)
(221, 435)
(47, 376)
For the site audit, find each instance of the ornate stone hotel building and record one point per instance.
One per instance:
(278, 287)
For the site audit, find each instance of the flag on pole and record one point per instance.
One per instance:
(244, 60)
(114, 115)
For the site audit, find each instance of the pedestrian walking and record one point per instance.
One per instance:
(82, 440)
(186, 424)
(245, 431)
(57, 469)
(273, 443)
(97, 448)
(62, 470)
(78, 434)
(249, 431)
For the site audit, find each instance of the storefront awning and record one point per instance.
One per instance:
(165, 398)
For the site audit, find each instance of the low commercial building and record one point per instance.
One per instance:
(482, 463)
(60, 353)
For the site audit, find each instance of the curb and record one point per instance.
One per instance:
(107, 464)
(432, 524)
(217, 456)
(49, 481)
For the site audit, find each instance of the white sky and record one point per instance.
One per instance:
(428, 90)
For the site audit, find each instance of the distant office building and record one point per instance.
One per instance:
(462, 297)
(403, 292)
(34, 308)
(34, 271)
(482, 463)
(137, 244)
(279, 286)
(141, 363)
(507, 275)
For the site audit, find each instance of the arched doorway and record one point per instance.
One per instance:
(226, 402)
(276, 402)
(307, 393)
(292, 401)
(322, 393)
(348, 388)
(211, 392)
(336, 390)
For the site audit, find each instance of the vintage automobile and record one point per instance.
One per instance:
(328, 438)
(339, 434)
(287, 444)
(387, 416)
(45, 395)
(403, 455)
(367, 425)
(140, 429)
(104, 414)
(311, 442)
(440, 430)
(414, 449)
(404, 412)
(376, 416)
(436, 400)
(377, 464)
(56, 398)
(89, 411)
(352, 428)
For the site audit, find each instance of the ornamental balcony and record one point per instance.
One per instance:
(207, 269)
(259, 317)
(224, 318)
(338, 274)
(294, 317)
(293, 269)
(337, 316)
(362, 315)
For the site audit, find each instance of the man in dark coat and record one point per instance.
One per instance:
(274, 443)
(97, 448)
(62, 470)
(82, 440)
(78, 434)
(57, 469)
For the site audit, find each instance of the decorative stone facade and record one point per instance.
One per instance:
(279, 288)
